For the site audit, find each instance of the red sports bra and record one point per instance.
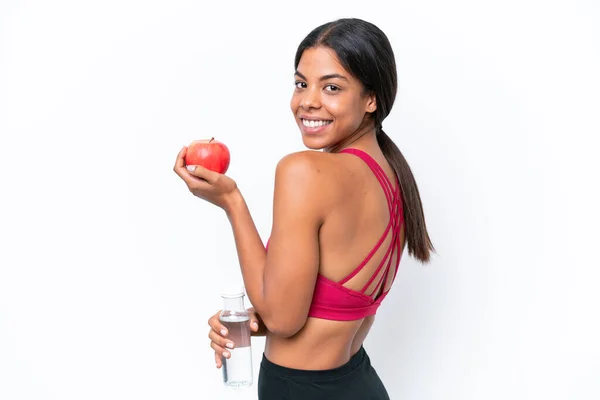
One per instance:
(331, 299)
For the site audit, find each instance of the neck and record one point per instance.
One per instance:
(363, 137)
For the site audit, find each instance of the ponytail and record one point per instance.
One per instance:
(365, 51)
(417, 239)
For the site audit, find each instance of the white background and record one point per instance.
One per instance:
(110, 268)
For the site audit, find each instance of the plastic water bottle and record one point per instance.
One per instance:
(237, 370)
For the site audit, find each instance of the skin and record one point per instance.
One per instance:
(328, 212)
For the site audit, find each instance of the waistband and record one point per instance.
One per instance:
(355, 361)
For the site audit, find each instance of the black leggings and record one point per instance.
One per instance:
(355, 380)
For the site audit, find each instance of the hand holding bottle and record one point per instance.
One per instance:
(218, 334)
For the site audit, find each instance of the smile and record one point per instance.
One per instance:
(315, 124)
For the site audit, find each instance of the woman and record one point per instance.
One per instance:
(341, 220)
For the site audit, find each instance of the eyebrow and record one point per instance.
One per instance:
(324, 77)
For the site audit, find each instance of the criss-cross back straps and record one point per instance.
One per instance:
(392, 196)
(394, 249)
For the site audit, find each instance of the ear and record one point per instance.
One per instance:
(371, 104)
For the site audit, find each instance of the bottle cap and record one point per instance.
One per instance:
(233, 289)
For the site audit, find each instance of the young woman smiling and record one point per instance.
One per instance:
(342, 218)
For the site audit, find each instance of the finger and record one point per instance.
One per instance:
(218, 360)
(216, 325)
(203, 173)
(181, 170)
(179, 167)
(220, 340)
(253, 319)
(180, 160)
(254, 323)
(220, 350)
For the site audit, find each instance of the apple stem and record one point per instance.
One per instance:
(211, 139)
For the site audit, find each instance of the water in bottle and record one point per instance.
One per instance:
(237, 369)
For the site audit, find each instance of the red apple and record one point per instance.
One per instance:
(210, 154)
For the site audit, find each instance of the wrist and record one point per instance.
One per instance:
(233, 201)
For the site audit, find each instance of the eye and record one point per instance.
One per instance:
(300, 85)
(332, 88)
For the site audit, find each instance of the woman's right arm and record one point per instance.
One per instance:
(218, 334)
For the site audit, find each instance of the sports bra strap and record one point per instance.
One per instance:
(380, 174)
(393, 199)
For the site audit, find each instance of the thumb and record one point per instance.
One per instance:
(202, 173)
(253, 319)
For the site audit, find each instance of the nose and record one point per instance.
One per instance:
(310, 99)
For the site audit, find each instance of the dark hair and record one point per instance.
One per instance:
(365, 51)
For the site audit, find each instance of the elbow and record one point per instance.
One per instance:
(281, 328)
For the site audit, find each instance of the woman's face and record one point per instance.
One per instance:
(329, 104)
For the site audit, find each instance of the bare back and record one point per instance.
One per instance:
(349, 232)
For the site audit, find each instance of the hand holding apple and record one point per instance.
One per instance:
(209, 185)
(210, 154)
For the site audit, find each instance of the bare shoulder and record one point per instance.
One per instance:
(307, 159)
(313, 174)
(309, 167)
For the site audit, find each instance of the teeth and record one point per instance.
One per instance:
(314, 124)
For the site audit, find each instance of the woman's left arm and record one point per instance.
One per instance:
(279, 283)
